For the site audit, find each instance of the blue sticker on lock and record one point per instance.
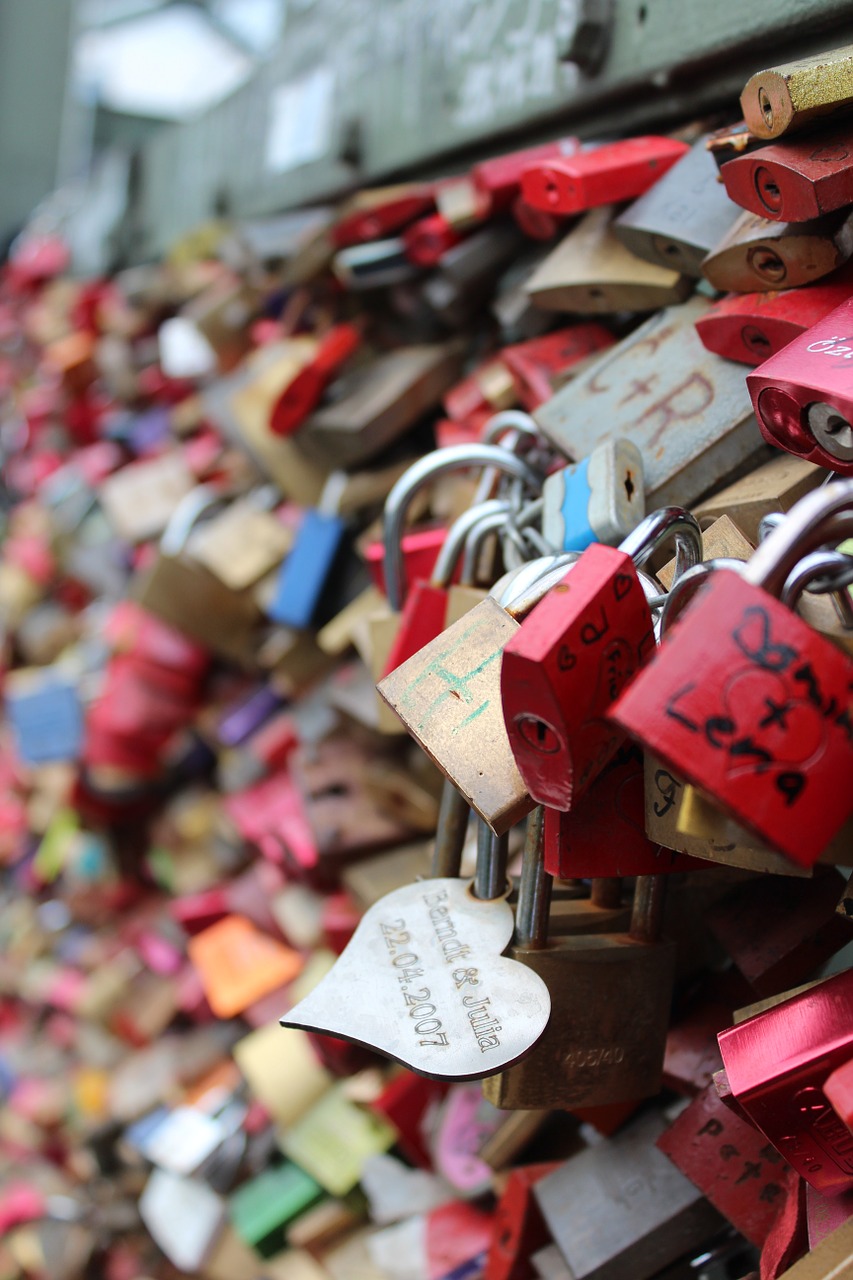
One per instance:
(305, 571)
(571, 527)
(46, 718)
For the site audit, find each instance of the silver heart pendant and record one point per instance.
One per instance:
(423, 981)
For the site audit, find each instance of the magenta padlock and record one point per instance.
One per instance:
(803, 395)
(576, 652)
(750, 703)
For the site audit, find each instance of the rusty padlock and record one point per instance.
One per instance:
(760, 254)
(794, 180)
(766, 732)
(789, 97)
(577, 651)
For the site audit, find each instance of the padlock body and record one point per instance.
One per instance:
(305, 571)
(572, 657)
(605, 834)
(776, 1064)
(599, 499)
(679, 220)
(752, 327)
(499, 179)
(537, 363)
(616, 171)
(606, 1038)
(752, 706)
(816, 369)
(760, 254)
(795, 180)
(422, 620)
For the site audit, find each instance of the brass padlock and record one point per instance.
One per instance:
(610, 997)
(758, 255)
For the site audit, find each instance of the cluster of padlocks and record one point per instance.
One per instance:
(427, 625)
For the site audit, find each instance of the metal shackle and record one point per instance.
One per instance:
(820, 572)
(661, 527)
(685, 588)
(454, 458)
(810, 524)
(459, 536)
(186, 516)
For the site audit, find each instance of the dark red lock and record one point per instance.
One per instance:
(499, 179)
(536, 223)
(575, 653)
(605, 834)
(427, 239)
(803, 396)
(398, 207)
(750, 703)
(839, 1090)
(302, 395)
(776, 1064)
(796, 178)
(752, 327)
(732, 1164)
(408, 1103)
(519, 1229)
(536, 364)
(605, 175)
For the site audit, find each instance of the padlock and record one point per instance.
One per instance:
(538, 364)
(795, 180)
(448, 697)
(789, 97)
(429, 238)
(767, 736)
(262, 1208)
(464, 277)
(740, 1173)
(679, 220)
(600, 499)
(301, 396)
(801, 398)
(243, 543)
(775, 1067)
(603, 175)
(590, 1054)
(519, 1227)
(377, 212)
(490, 387)
(576, 1063)
(620, 1208)
(379, 403)
(575, 654)
(800, 929)
(751, 327)
(535, 223)
(591, 272)
(605, 835)
(757, 254)
(311, 560)
(686, 411)
(499, 179)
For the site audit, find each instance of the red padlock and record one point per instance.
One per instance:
(734, 1166)
(499, 179)
(576, 652)
(536, 223)
(803, 396)
(519, 1229)
(839, 1090)
(776, 1064)
(749, 702)
(302, 395)
(752, 327)
(537, 363)
(796, 178)
(605, 835)
(605, 175)
(383, 216)
(427, 239)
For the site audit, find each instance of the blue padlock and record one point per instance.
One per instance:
(600, 499)
(305, 570)
(44, 710)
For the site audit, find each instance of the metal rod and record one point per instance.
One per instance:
(606, 892)
(490, 880)
(534, 890)
(453, 814)
(647, 912)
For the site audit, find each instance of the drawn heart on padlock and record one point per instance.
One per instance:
(423, 981)
(771, 722)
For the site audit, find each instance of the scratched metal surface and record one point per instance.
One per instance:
(687, 410)
(386, 86)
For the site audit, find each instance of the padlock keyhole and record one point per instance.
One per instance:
(537, 734)
(630, 487)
